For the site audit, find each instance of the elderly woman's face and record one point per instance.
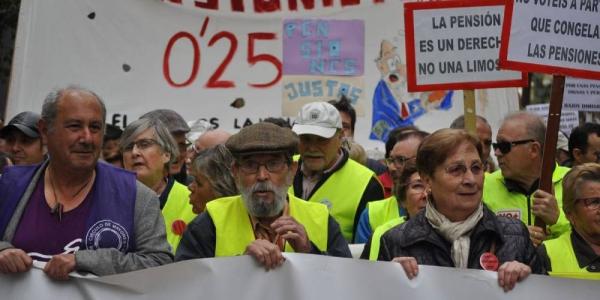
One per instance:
(146, 158)
(201, 191)
(416, 197)
(585, 216)
(457, 184)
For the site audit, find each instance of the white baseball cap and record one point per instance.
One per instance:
(562, 143)
(318, 118)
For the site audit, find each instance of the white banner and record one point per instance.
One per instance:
(569, 119)
(216, 60)
(553, 36)
(581, 94)
(301, 277)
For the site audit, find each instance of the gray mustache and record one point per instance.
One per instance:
(84, 147)
(262, 187)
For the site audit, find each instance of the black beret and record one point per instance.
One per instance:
(262, 138)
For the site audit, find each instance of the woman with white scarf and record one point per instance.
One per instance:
(456, 229)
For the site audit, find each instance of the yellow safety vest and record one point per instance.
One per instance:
(177, 210)
(234, 230)
(514, 205)
(382, 211)
(563, 260)
(341, 193)
(378, 233)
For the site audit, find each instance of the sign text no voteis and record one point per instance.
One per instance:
(552, 36)
(455, 45)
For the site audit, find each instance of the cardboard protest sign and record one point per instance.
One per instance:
(455, 45)
(552, 36)
(582, 94)
(569, 119)
(323, 47)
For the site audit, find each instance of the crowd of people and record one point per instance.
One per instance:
(84, 196)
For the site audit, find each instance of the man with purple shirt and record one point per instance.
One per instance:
(73, 212)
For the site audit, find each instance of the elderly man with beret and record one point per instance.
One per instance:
(264, 220)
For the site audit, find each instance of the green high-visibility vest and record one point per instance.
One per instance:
(378, 233)
(342, 192)
(514, 205)
(177, 209)
(234, 230)
(382, 211)
(563, 260)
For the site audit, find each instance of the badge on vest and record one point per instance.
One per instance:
(510, 213)
(178, 227)
(107, 234)
(327, 203)
(488, 261)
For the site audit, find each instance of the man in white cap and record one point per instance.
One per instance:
(327, 174)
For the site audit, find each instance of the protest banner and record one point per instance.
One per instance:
(552, 36)
(221, 61)
(569, 119)
(582, 94)
(455, 45)
(301, 277)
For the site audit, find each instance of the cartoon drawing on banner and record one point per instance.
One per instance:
(393, 105)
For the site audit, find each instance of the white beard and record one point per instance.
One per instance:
(257, 206)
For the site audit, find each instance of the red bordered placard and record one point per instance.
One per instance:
(409, 9)
(531, 67)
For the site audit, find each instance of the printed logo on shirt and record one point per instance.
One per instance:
(510, 213)
(327, 203)
(107, 234)
(70, 248)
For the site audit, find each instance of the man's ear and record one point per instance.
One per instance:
(294, 167)
(577, 155)
(536, 149)
(43, 128)
(234, 169)
(571, 217)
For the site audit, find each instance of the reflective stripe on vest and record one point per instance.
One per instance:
(382, 211)
(563, 260)
(177, 213)
(514, 205)
(342, 192)
(378, 233)
(234, 231)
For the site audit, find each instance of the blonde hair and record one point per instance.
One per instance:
(574, 179)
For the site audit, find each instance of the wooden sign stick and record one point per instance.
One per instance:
(469, 105)
(548, 160)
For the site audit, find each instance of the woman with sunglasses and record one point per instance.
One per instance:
(149, 150)
(410, 191)
(455, 229)
(576, 253)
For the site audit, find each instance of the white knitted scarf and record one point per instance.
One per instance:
(456, 233)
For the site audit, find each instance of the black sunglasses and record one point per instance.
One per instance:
(505, 147)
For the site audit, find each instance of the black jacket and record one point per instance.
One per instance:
(418, 239)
